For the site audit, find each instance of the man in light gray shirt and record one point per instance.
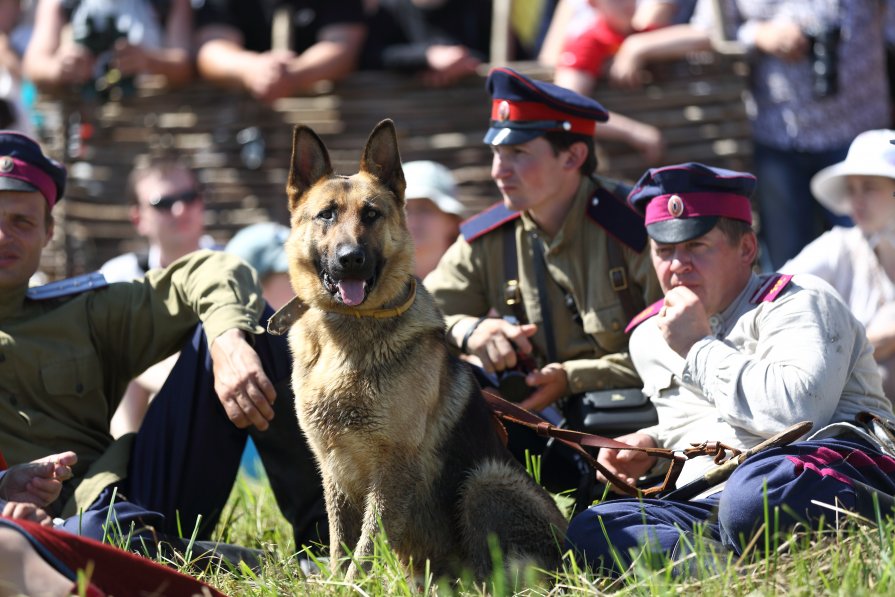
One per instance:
(732, 356)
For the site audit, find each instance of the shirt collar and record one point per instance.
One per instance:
(574, 218)
(720, 321)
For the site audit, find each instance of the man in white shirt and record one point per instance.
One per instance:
(732, 356)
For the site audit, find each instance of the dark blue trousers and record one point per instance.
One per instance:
(187, 454)
(788, 482)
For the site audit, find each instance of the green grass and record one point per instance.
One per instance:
(843, 557)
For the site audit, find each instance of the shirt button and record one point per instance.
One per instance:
(616, 326)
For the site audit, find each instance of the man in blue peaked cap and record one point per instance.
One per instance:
(732, 356)
(539, 287)
(69, 348)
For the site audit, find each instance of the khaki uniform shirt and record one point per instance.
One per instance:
(65, 362)
(470, 280)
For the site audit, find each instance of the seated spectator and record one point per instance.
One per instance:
(109, 43)
(261, 246)
(592, 41)
(859, 261)
(443, 41)
(167, 208)
(78, 344)
(236, 44)
(433, 212)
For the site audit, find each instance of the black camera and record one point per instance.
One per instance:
(825, 62)
(98, 33)
(511, 382)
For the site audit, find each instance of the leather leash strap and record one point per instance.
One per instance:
(509, 411)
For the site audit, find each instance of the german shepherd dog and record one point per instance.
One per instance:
(399, 427)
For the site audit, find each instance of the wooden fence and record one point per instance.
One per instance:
(242, 148)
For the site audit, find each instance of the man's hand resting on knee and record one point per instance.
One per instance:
(240, 382)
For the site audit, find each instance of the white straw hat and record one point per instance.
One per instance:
(431, 180)
(870, 154)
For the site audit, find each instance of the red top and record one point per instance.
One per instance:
(589, 50)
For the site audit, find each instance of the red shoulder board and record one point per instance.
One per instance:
(645, 314)
(490, 219)
(771, 289)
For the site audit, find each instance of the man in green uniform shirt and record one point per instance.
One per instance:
(561, 260)
(68, 349)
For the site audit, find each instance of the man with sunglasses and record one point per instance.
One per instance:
(168, 210)
(69, 348)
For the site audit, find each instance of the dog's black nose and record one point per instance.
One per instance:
(351, 257)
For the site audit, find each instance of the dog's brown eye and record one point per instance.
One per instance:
(370, 215)
(326, 214)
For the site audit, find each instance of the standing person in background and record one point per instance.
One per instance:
(592, 42)
(235, 44)
(132, 37)
(818, 79)
(442, 40)
(433, 212)
(167, 208)
(859, 261)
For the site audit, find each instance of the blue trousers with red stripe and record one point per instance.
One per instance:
(187, 454)
(791, 483)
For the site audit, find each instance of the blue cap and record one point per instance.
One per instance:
(684, 201)
(261, 246)
(523, 109)
(24, 167)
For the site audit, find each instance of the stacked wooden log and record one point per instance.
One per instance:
(242, 148)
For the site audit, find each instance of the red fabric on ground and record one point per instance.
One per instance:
(115, 571)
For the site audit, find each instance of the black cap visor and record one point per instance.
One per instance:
(679, 230)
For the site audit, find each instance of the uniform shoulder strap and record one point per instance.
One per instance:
(771, 288)
(490, 219)
(645, 314)
(67, 287)
(617, 219)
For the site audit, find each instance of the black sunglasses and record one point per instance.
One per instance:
(166, 202)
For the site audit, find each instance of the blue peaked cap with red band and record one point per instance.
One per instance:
(25, 167)
(523, 109)
(684, 201)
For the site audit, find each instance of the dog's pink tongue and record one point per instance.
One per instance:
(352, 292)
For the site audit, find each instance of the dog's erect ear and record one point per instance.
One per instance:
(382, 160)
(310, 163)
